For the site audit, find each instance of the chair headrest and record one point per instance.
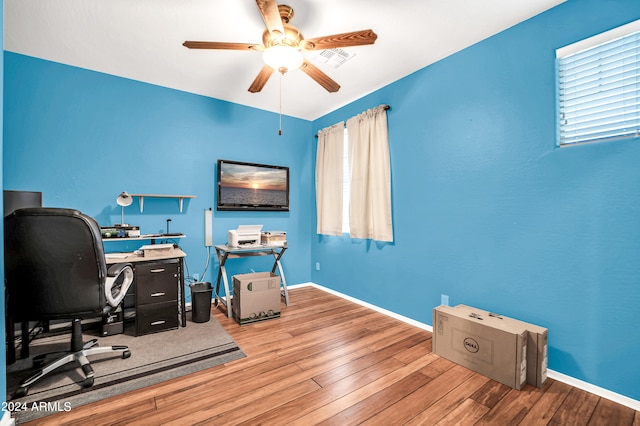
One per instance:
(45, 211)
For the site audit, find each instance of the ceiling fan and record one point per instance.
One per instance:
(283, 44)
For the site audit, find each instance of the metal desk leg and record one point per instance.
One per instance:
(222, 273)
(226, 290)
(277, 256)
(217, 289)
(284, 283)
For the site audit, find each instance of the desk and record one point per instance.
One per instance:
(139, 263)
(153, 304)
(225, 252)
(150, 237)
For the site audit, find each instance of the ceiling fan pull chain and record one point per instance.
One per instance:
(280, 130)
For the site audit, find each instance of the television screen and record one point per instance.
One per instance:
(250, 186)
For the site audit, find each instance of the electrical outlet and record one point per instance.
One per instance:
(444, 300)
(196, 277)
(317, 266)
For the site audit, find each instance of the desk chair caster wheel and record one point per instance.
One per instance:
(126, 354)
(88, 382)
(22, 391)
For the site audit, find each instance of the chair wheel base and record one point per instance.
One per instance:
(126, 354)
(88, 382)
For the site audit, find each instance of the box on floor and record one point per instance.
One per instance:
(496, 350)
(256, 297)
(537, 343)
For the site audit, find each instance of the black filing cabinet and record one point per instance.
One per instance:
(156, 293)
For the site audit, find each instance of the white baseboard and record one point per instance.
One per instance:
(596, 390)
(368, 305)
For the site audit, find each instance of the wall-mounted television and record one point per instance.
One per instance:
(251, 186)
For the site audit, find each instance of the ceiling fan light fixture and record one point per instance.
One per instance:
(283, 58)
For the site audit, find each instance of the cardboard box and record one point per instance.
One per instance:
(496, 350)
(537, 344)
(256, 297)
(274, 238)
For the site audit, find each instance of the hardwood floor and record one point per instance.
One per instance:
(330, 361)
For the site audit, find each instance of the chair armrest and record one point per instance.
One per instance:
(116, 292)
(116, 269)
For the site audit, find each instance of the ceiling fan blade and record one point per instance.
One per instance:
(355, 38)
(271, 15)
(321, 78)
(261, 79)
(221, 45)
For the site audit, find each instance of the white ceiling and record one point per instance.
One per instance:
(142, 40)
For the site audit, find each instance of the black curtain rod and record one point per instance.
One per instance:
(386, 107)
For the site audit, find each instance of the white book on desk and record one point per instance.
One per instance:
(156, 247)
(117, 255)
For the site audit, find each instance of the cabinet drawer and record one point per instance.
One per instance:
(152, 268)
(156, 317)
(156, 284)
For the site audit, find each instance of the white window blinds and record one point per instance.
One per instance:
(599, 90)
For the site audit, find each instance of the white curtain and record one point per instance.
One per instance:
(370, 205)
(329, 179)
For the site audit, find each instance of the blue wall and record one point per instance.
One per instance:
(82, 137)
(488, 211)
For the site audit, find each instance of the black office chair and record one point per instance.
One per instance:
(55, 269)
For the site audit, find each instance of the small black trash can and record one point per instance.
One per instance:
(201, 301)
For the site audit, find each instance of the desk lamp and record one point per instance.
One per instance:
(124, 200)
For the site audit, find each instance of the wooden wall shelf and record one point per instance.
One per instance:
(180, 198)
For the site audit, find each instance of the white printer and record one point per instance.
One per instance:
(244, 236)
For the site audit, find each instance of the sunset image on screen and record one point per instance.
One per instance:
(242, 176)
(244, 185)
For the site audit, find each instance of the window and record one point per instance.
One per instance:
(366, 191)
(599, 87)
